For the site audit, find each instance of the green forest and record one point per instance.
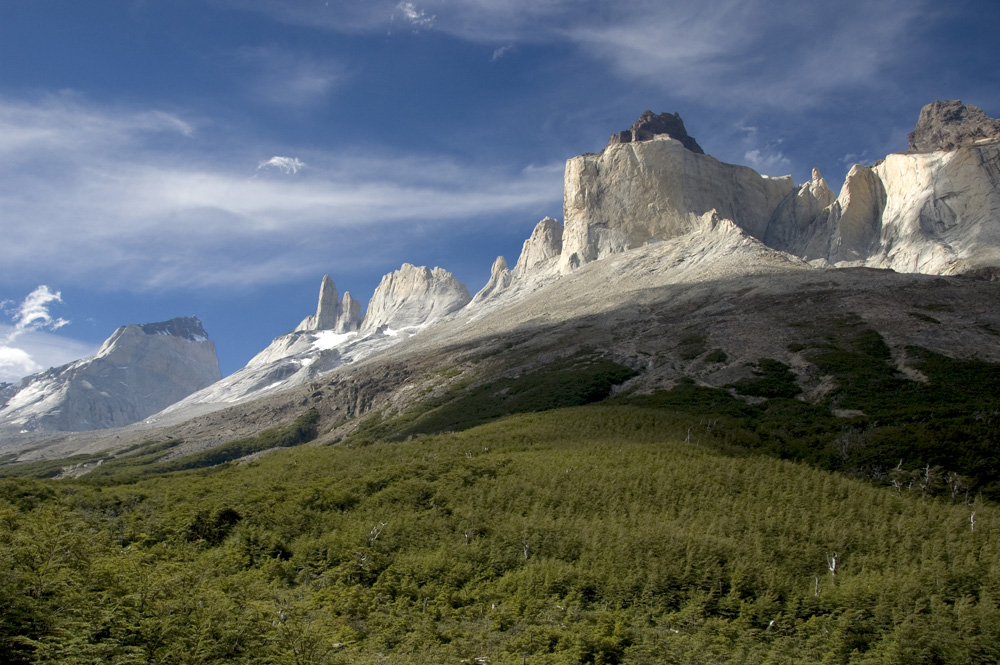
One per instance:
(630, 530)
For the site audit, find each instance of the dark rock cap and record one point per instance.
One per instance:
(950, 125)
(187, 327)
(650, 125)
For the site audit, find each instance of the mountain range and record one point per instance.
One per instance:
(678, 268)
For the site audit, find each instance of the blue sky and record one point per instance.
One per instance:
(217, 157)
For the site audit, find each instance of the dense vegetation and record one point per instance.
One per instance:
(598, 534)
(534, 518)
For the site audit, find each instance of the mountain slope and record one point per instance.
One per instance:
(138, 370)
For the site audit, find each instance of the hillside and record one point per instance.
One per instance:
(589, 535)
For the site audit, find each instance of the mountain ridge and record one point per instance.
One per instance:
(651, 216)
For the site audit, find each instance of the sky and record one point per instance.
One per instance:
(163, 158)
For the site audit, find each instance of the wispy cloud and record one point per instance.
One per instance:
(33, 313)
(418, 18)
(141, 214)
(500, 52)
(25, 348)
(765, 53)
(287, 165)
(771, 163)
(285, 78)
(768, 53)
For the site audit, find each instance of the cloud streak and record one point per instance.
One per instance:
(287, 79)
(767, 53)
(287, 165)
(142, 214)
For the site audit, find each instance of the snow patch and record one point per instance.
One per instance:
(327, 339)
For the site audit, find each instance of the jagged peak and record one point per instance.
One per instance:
(545, 241)
(949, 125)
(650, 125)
(414, 296)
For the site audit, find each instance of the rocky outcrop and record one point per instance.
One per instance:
(792, 227)
(950, 125)
(414, 296)
(934, 212)
(500, 279)
(942, 211)
(650, 125)
(640, 192)
(138, 371)
(332, 314)
(545, 243)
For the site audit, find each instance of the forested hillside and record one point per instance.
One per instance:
(597, 534)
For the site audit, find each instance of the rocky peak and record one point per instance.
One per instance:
(331, 314)
(414, 296)
(326, 309)
(500, 278)
(350, 314)
(139, 370)
(650, 125)
(545, 242)
(950, 125)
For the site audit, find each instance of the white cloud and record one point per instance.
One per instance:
(500, 52)
(33, 313)
(417, 17)
(138, 215)
(287, 165)
(16, 364)
(36, 351)
(26, 346)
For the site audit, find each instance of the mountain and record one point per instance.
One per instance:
(678, 268)
(139, 370)
(404, 303)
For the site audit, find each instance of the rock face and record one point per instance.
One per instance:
(934, 210)
(545, 242)
(650, 125)
(339, 316)
(414, 296)
(951, 125)
(640, 192)
(138, 371)
(500, 279)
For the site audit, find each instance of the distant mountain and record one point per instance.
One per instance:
(139, 370)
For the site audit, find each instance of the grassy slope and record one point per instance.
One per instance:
(584, 535)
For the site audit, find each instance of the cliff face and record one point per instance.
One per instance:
(935, 209)
(138, 371)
